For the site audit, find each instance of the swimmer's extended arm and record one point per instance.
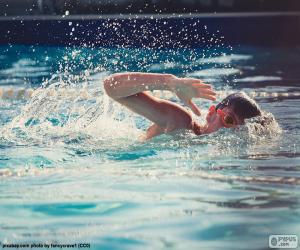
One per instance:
(129, 89)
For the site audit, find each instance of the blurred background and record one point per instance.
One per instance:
(59, 7)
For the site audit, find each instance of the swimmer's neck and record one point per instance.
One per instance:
(202, 129)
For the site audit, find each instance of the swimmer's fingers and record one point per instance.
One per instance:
(208, 96)
(206, 93)
(202, 85)
(192, 80)
(195, 83)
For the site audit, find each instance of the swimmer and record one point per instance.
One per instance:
(130, 89)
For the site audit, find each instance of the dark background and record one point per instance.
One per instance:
(59, 7)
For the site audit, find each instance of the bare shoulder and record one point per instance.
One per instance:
(178, 116)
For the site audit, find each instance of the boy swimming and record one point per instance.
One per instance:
(129, 89)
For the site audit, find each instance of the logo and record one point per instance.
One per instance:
(283, 241)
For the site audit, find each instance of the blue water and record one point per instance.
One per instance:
(72, 169)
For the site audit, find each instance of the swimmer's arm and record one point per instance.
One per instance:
(129, 90)
(126, 84)
(123, 85)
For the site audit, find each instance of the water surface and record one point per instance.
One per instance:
(73, 170)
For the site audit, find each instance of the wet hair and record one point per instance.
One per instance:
(241, 104)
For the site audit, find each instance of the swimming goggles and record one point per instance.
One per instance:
(227, 120)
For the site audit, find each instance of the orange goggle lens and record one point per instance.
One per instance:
(227, 120)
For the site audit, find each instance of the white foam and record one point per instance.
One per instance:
(259, 79)
(262, 127)
(78, 110)
(224, 59)
(214, 72)
(162, 66)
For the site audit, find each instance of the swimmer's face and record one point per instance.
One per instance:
(222, 119)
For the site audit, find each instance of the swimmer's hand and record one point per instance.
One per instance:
(188, 88)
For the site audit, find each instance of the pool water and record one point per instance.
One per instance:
(72, 169)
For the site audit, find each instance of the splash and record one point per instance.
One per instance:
(263, 126)
(69, 109)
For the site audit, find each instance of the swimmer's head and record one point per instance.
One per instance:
(231, 112)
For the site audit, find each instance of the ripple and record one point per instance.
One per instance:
(26, 68)
(225, 59)
(163, 66)
(258, 79)
(11, 81)
(214, 72)
(79, 209)
(70, 164)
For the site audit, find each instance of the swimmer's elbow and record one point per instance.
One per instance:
(109, 84)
